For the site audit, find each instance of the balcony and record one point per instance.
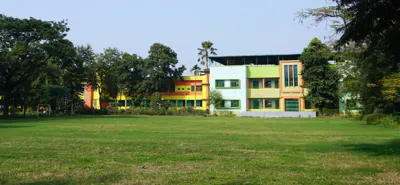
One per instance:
(263, 93)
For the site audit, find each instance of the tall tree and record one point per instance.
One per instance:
(74, 75)
(26, 45)
(195, 70)
(205, 51)
(160, 70)
(103, 74)
(319, 78)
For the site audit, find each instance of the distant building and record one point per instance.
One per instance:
(248, 83)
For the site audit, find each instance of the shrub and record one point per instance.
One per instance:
(389, 121)
(372, 119)
(227, 114)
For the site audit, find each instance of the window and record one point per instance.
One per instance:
(268, 103)
(235, 103)
(308, 105)
(172, 103)
(181, 103)
(234, 83)
(220, 83)
(268, 84)
(227, 83)
(296, 80)
(286, 76)
(230, 104)
(188, 89)
(271, 103)
(192, 89)
(190, 103)
(199, 88)
(199, 103)
(291, 76)
(255, 84)
(255, 103)
(129, 102)
(276, 84)
(277, 104)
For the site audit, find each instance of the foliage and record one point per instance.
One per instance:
(195, 70)
(337, 16)
(205, 51)
(378, 118)
(391, 88)
(319, 78)
(157, 104)
(216, 98)
(27, 45)
(375, 25)
(160, 69)
(367, 47)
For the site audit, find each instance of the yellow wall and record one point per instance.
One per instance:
(263, 93)
(183, 88)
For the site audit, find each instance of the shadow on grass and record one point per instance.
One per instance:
(6, 126)
(389, 148)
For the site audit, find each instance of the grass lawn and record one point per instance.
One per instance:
(197, 150)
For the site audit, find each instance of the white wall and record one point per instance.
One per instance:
(230, 73)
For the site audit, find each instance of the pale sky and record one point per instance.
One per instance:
(236, 27)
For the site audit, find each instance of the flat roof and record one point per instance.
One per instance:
(270, 59)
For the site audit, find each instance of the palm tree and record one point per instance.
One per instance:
(195, 70)
(205, 51)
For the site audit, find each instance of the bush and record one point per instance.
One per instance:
(389, 121)
(226, 114)
(372, 119)
(382, 119)
(90, 111)
(144, 111)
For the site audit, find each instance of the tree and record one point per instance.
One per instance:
(391, 89)
(195, 70)
(215, 98)
(319, 78)
(74, 75)
(372, 22)
(104, 74)
(26, 45)
(205, 51)
(159, 70)
(157, 104)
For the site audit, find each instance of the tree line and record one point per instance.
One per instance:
(39, 65)
(365, 45)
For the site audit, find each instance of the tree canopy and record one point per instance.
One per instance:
(320, 79)
(39, 65)
(26, 46)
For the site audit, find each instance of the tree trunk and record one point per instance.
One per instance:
(6, 104)
(72, 107)
(321, 111)
(24, 107)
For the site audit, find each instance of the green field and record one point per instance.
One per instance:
(197, 150)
